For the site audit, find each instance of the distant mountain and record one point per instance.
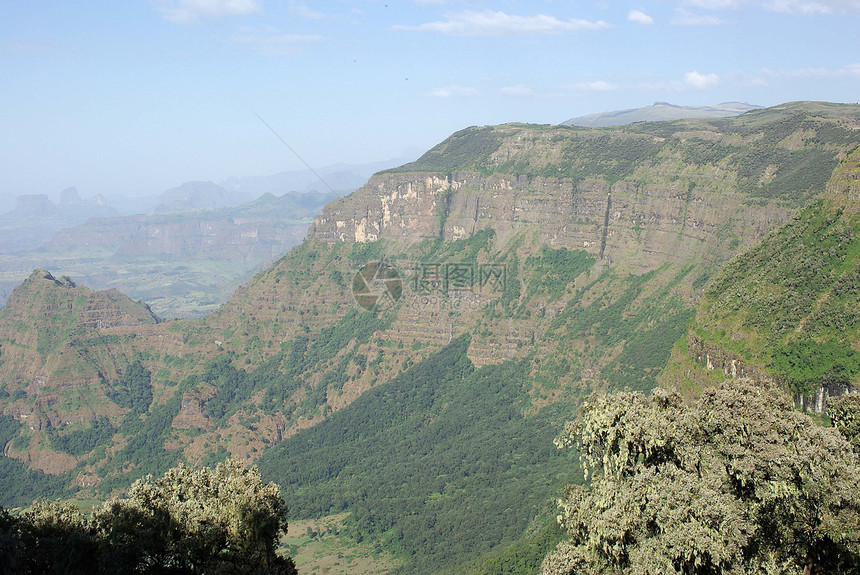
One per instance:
(182, 262)
(197, 195)
(659, 112)
(36, 218)
(342, 178)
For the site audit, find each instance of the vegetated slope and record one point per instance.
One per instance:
(441, 463)
(789, 308)
(564, 259)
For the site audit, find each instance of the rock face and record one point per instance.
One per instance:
(639, 226)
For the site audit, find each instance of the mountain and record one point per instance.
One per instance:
(197, 195)
(659, 112)
(183, 263)
(788, 310)
(36, 217)
(509, 272)
(342, 178)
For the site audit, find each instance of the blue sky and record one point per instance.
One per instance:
(136, 97)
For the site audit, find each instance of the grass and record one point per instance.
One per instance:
(320, 546)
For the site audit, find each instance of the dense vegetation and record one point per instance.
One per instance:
(794, 298)
(440, 463)
(221, 520)
(738, 482)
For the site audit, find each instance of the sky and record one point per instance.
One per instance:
(136, 97)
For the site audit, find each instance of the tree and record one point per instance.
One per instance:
(221, 520)
(738, 482)
(56, 538)
(844, 413)
(214, 521)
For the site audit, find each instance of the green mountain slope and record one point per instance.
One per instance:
(536, 264)
(789, 308)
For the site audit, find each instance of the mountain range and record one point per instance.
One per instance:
(402, 372)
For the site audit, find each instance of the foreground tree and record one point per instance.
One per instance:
(221, 520)
(738, 482)
(213, 521)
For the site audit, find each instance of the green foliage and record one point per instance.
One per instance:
(282, 374)
(807, 364)
(54, 537)
(795, 299)
(639, 313)
(844, 413)
(647, 348)
(78, 442)
(362, 253)
(133, 390)
(234, 388)
(221, 520)
(145, 437)
(440, 462)
(738, 482)
(19, 484)
(523, 557)
(465, 149)
(553, 270)
(10, 427)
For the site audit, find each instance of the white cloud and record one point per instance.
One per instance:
(192, 11)
(785, 6)
(639, 17)
(701, 81)
(519, 90)
(454, 91)
(303, 11)
(491, 23)
(596, 86)
(684, 17)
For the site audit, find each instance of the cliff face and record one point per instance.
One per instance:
(581, 252)
(638, 225)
